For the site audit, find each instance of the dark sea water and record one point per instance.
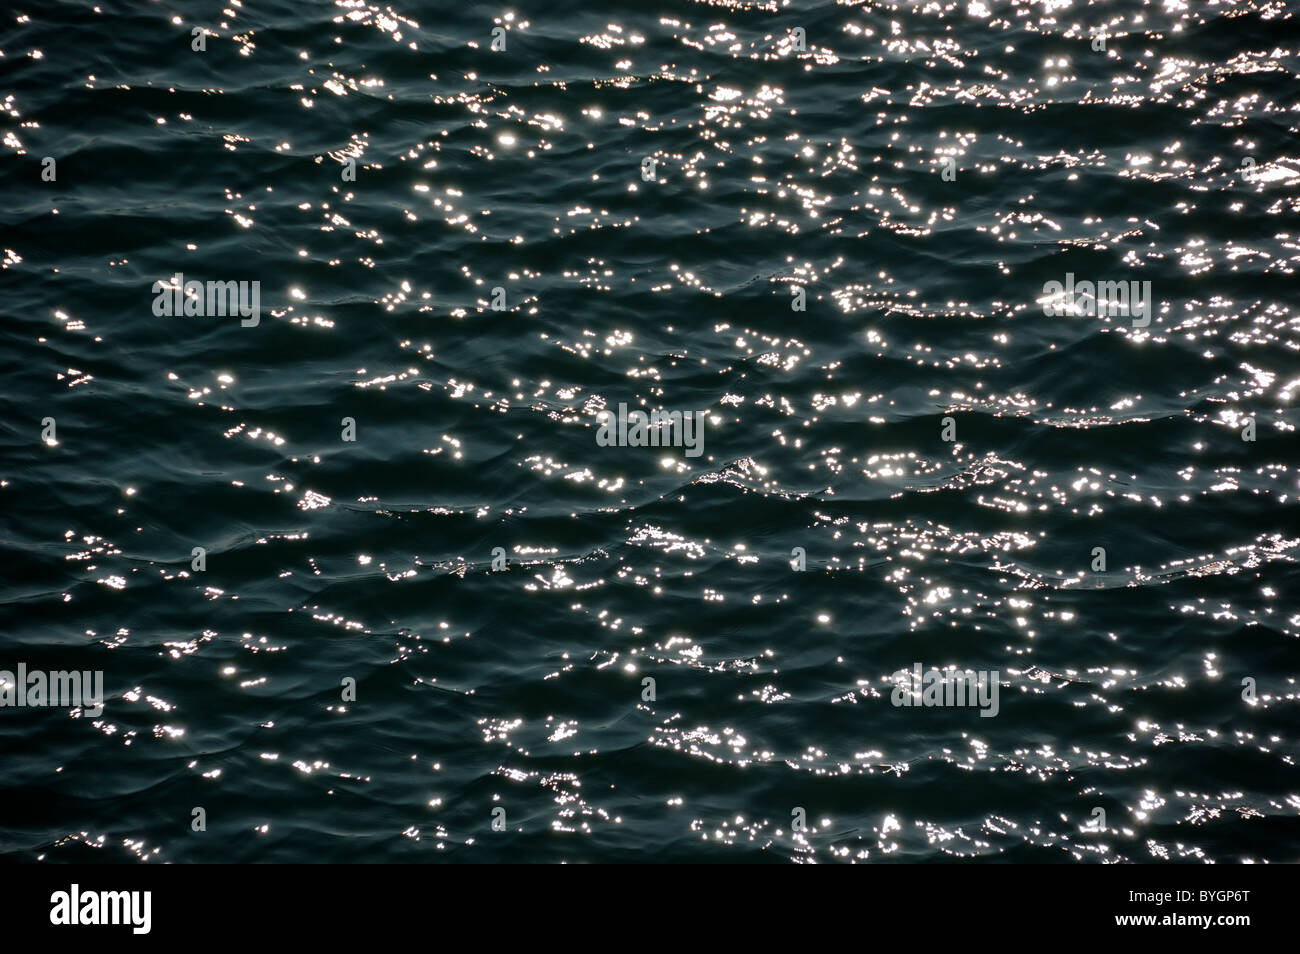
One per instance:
(1171, 156)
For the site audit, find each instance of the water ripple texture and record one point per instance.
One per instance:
(985, 314)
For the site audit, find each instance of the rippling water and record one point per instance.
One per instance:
(916, 172)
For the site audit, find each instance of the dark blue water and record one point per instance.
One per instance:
(1160, 689)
